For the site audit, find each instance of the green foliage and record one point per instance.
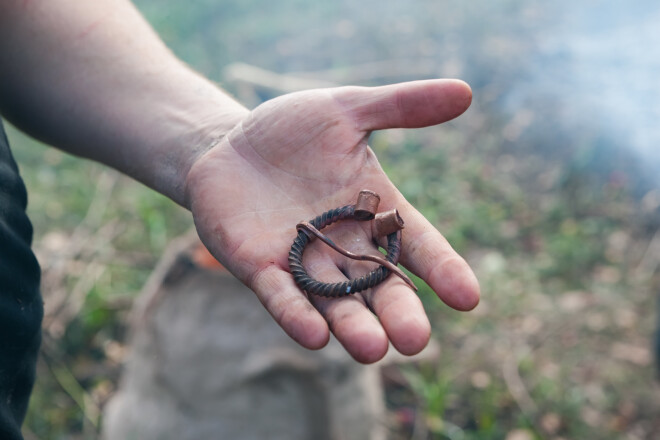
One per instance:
(99, 237)
(558, 348)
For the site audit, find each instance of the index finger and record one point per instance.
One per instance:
(427, 254)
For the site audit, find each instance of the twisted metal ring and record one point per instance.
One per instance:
(309, 230)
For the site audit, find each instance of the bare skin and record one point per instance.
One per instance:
(93, 79)
(298, 156)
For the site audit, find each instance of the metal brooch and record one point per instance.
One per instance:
(387, 224)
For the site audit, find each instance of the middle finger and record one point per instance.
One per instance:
(352, 323)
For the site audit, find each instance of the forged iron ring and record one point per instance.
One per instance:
(356, 212)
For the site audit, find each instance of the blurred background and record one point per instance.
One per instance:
(549, 185)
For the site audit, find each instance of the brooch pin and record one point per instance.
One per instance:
(385, 224)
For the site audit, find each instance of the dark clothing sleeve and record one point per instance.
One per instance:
(21, 307)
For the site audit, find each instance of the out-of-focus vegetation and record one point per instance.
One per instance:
(558, 218)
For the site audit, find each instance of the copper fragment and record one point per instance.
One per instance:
(387, 222)
(367, 205)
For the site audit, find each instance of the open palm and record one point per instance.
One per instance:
(299, 155)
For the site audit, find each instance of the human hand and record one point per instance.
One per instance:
(299, 155)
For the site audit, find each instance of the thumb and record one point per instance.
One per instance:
(405, 105)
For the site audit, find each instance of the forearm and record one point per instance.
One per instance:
(92, 78)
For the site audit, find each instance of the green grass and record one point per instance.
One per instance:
(98, 236)
(559, 347)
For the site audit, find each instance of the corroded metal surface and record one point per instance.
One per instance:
(365, 209)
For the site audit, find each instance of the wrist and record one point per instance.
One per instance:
(207, 129)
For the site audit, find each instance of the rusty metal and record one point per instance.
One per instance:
(367, 202)
(366, 206)
(387, 222)
(373, 258)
